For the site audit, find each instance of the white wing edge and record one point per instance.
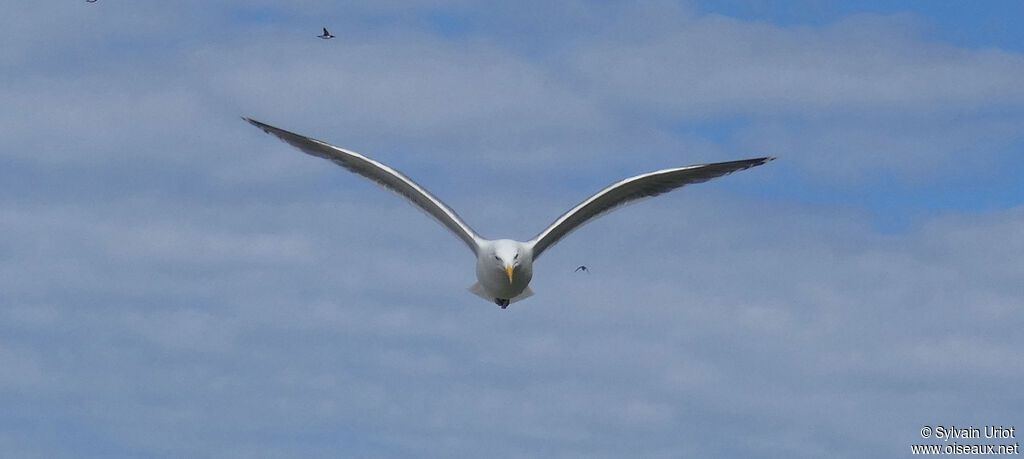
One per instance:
(593, 207)
(384, 176)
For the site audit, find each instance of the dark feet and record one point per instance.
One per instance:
(503, 302)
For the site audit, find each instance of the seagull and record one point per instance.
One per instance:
(326, 36)
(504, 267)
(90, 1)
(582, 268)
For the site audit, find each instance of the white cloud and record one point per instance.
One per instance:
(712, 66)
(722, 310)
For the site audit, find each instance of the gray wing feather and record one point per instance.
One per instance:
(632, 189)
(386, 177)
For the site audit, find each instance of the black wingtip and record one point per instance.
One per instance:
(287, 136)
(274, 131)
(262, 126)
(746, 163)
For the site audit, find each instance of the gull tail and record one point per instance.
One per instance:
(479, 291)
(522, 296)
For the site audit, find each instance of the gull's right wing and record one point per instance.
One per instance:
(382, 175)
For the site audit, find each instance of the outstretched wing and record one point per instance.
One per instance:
(382, 175)
(632, 189)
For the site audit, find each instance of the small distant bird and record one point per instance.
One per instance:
(582, 268)
(91, 1)
(504, 267)
(326, 36)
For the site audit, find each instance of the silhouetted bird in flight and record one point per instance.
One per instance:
(326, 36)
(582, 268)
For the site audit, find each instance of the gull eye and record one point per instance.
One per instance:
(497, 258)
(516, 257)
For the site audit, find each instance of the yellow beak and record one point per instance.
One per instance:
(508, 270)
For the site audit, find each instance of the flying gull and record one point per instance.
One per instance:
(504, 267)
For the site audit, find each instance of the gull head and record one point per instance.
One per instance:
(504, 267)
(506, 256)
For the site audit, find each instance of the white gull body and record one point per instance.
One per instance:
(504, 267)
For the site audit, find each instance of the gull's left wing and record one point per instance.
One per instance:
(382, 175)
(630, 190)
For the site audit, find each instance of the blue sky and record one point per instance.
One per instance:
(174, 282)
